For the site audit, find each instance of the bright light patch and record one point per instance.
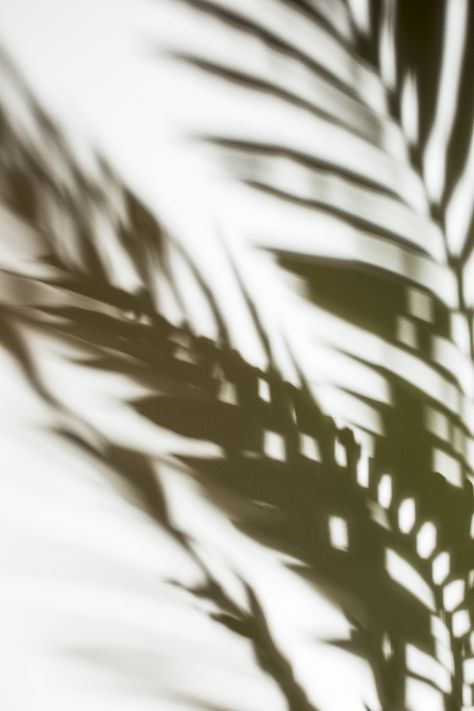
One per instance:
(409, 108)
(361, 14)
(447, 466)
(309, 447)
(340, 454)
(461, 623)
(228, 393)
(387, 649)
(406, 515)
(467, 695)
(453, 594)
(338, 533)
(468, 668)
(363, 470)
(459, 209)
(426, 540)
(264, 390)
(384, 491)
(440, 568)
(274, 445)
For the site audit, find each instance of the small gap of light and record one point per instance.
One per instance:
(384, 491)
(263, 390)
(363, 470)
(338, 533)
(461, 623)
(453, 594)
(441, 566)
(406, 515)
(340, 454)
(309, 447)
(274, 445)
(426, 540)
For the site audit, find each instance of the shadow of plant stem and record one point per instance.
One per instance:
(251, 624)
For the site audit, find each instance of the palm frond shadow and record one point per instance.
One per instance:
(287, 474)
(140, 343)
